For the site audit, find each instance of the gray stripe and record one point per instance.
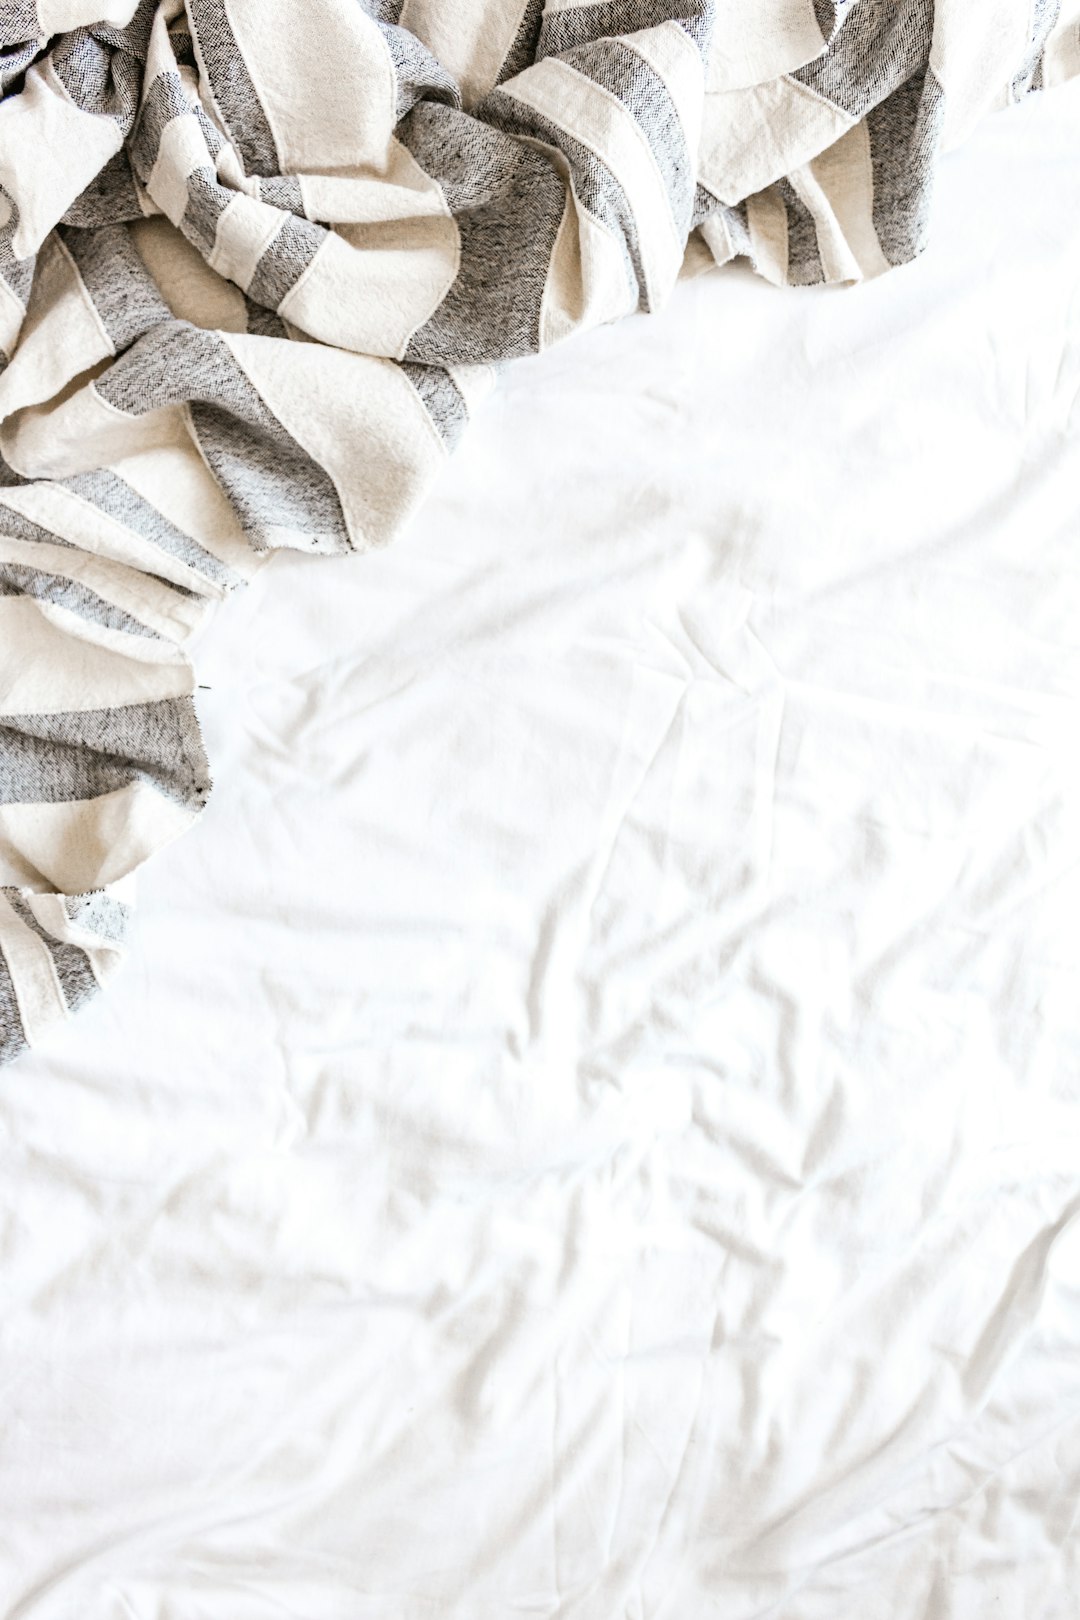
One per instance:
(98, 77)
(165, 100)
(507, 202)
(100, 913)
(271, 483)
(804, 266)
(878, 47)
(215, 141)
(596, 187)
(524, 50)
(282, 191)
(207, 201)
(109, 199)
(68, 757)
(181, 42)
(285, 259)
(133, 37)
(233, 88)
(644, 94)
(117, 282)
(12, 1034)
(18, 23)
(17, 527)
(1045, 14)
(264, 322)
(106, 490)
(18, 273)
(383, 10)
(420, 75)
(905, 133)
(17, 579)
(16, 58)
(825, 16)
(705, 205)
(269, 479)
(737, 221)
(443, 400)
(563, 31)
(72, 964)
(174, 363)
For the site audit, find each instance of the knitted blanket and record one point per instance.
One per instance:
(259, 260)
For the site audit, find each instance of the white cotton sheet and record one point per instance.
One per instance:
(591, 1123)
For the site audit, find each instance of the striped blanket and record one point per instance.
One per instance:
(258, 262)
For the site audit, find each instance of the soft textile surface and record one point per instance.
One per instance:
(590, 1123)
(256, 261)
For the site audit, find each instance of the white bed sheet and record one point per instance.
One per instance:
(591, 1125)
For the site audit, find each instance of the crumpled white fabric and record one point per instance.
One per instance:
(611, 1145)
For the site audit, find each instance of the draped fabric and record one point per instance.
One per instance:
(259, 262)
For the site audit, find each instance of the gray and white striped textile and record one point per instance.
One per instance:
(258, 260)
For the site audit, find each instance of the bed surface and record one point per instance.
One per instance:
(591, 1123)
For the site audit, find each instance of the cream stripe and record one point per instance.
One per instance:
(80, 432)
(767, 219)
(93, 530)
(474, 384)
(471, 38)
(715, 234)
(1061, 59)
(752, 137)
(178, 483)
(838, 263)
(53, 661)
(331, 401)
(587, 282)
(145, 598)
(838, 189)
(974, 60)
(183, 149)
(62, 337)
(676, 60)
(588, 279)
(88, 843)
(11, 319)
(596, 118)
(323, 74)
(50, 913)
(368, 288)
(57, 16)
(845, 171)
(403, 191)
(33, 973)
(244, 231)
(754, 43)
(50, 151)
(104, 955)
(160, 54)
(105, 960)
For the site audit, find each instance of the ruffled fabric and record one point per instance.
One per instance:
(259, 262)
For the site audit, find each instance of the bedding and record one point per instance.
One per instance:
(256, 264)
(588, 1125)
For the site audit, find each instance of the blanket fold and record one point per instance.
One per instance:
(260, 261)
